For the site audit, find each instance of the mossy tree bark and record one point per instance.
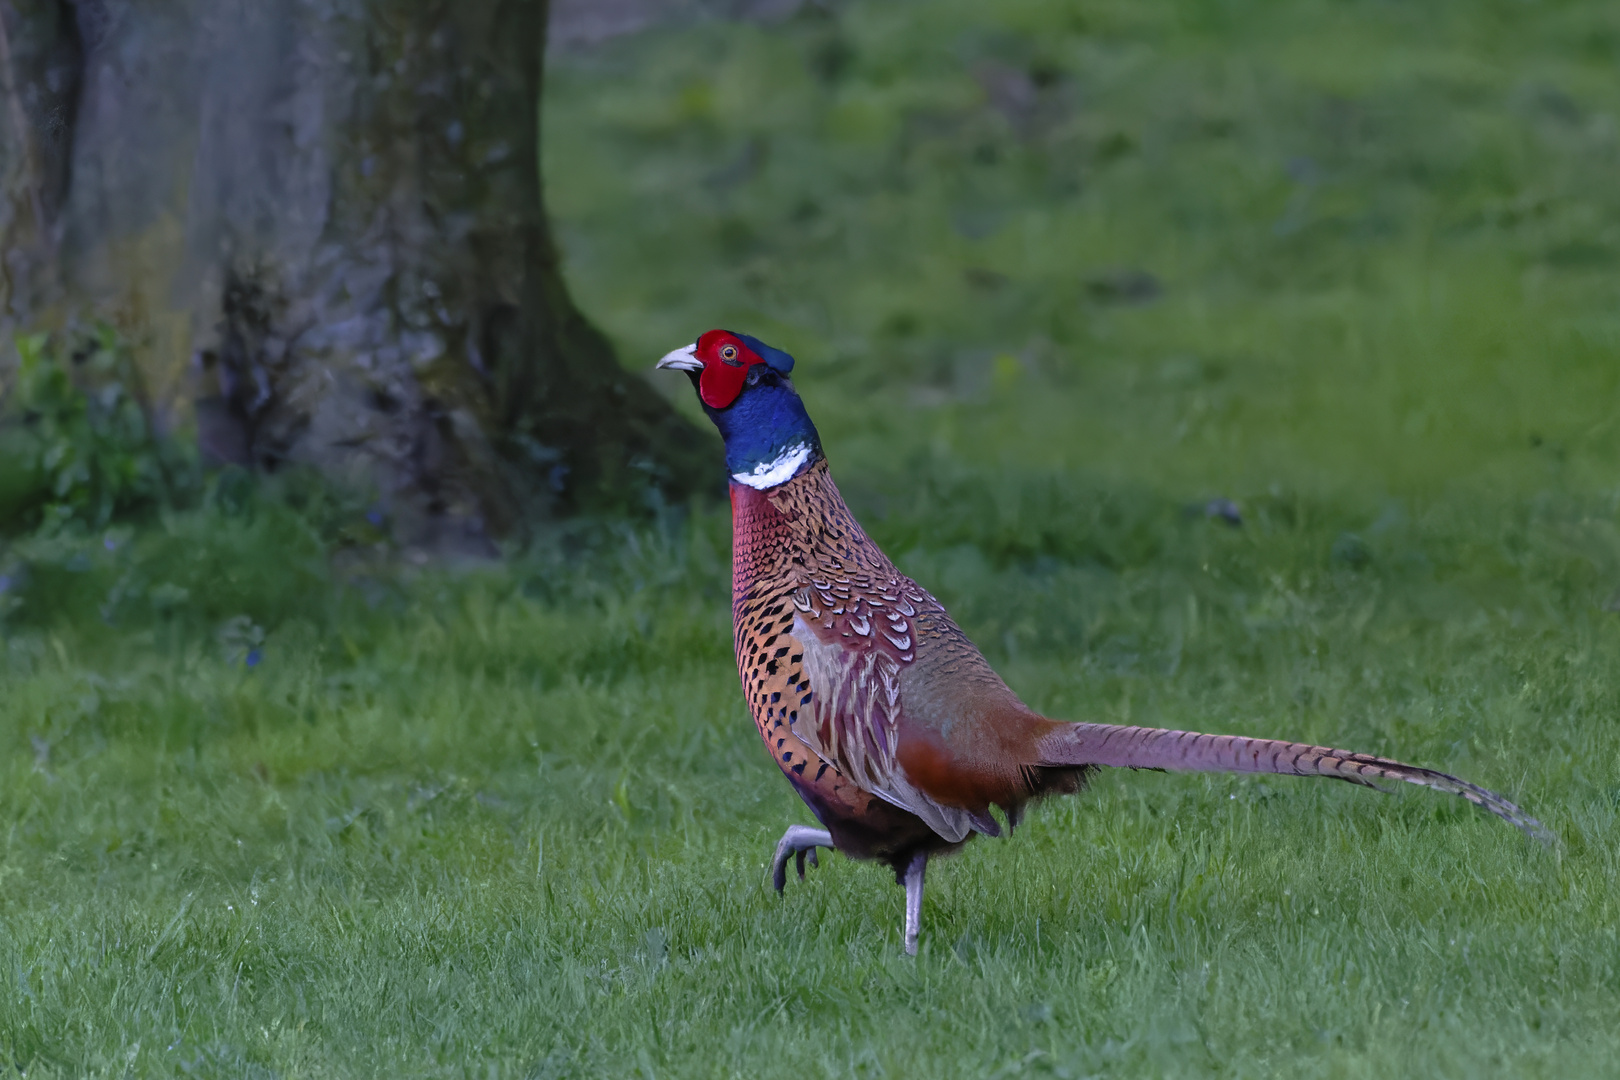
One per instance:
(320, 223)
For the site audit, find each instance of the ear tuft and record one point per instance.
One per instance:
(779, 361)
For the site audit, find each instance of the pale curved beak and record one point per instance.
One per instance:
(682, 359)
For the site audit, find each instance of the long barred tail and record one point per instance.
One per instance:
(1189, 751)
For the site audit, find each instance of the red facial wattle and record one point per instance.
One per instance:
(725, 368)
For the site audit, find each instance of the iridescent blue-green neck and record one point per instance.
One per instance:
(768, 434)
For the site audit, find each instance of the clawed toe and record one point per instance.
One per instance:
(799, 858)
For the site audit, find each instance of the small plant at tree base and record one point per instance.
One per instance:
(77, 448)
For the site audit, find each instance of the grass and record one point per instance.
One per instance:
(1056, 275)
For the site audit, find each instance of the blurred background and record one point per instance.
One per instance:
(1205, 247)
(366, 694)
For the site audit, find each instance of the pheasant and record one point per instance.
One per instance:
(880, 712)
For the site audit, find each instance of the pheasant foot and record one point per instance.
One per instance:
(799, 842)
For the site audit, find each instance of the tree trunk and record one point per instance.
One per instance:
(319, 222)
(40, 65)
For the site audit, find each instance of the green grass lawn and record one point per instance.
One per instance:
(1056, 274)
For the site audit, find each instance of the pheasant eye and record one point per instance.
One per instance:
(728, 352)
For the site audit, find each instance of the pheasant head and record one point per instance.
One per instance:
(744, 386)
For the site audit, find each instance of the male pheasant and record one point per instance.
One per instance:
(879, 711)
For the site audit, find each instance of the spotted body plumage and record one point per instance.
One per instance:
(828, 636)
(782, 545)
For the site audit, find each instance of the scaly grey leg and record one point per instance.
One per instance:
(799, 841)
(914, 887)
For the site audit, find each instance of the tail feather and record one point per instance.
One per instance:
(1190, 751)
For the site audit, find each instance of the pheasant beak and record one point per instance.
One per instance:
(682, 359)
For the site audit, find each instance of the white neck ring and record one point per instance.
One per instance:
(779, 470)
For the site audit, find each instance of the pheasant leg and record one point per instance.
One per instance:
(914, 889)
(799, 842)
